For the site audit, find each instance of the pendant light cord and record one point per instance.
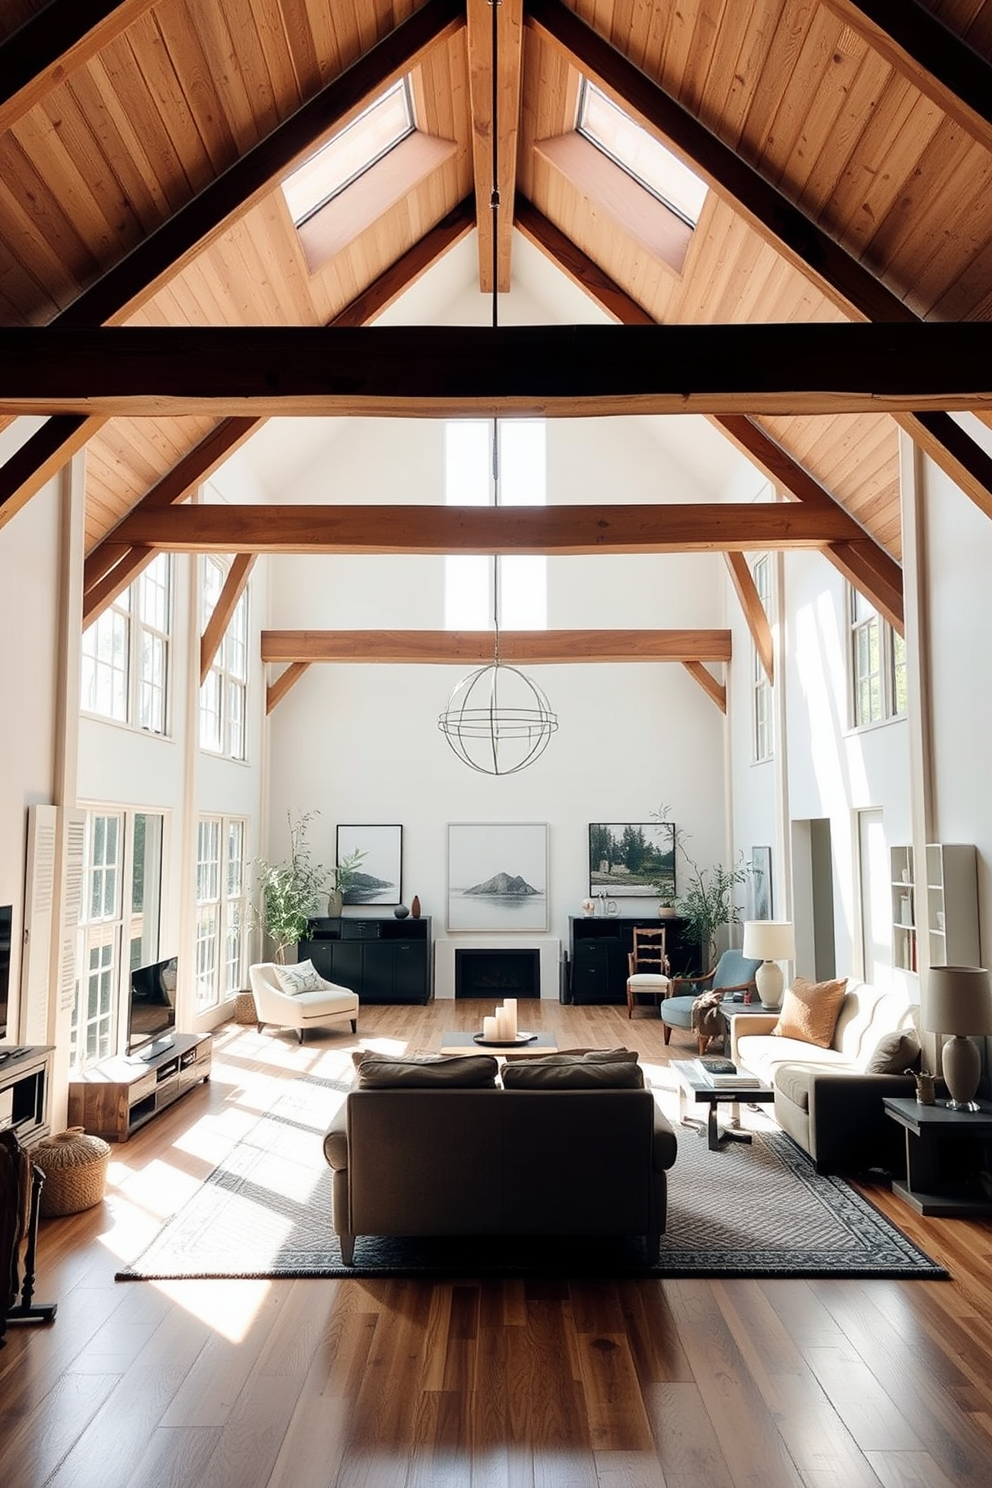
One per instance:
(494, 203)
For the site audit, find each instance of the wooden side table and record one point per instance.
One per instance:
(946, 1151)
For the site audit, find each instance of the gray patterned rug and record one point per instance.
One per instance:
(747, 1210)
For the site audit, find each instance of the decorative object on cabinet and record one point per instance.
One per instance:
(632, 860)
(498, 876)
(415, 906)
(769, 941)
(761, 883)
(369, 864)
(957, 1002)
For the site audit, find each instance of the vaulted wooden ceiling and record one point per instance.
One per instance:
(848, 149)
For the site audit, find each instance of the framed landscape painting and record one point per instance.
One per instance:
(378, 878)
(498, 876)
(760, 885)
(632, 860)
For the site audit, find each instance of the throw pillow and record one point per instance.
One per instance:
(427, 1071)
(810, 1011)
(563, 1056)
(895, 1053)
(303, 977)
(572, 1074)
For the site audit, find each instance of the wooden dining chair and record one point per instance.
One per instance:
(648, 967)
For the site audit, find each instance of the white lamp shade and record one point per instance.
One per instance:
(958, 1000)
(769, 940)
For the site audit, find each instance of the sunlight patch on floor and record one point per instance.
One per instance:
(228, 1307)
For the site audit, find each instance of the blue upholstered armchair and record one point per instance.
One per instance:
(734, 972)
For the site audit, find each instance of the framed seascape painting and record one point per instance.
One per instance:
(632, 860)
(378, 876)
(760, 883)
(498, 876)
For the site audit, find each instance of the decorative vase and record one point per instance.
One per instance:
(335, 903)
(415, 907)
(401, 911)
(666, 912)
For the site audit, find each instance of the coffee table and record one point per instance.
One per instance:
(695, 1089)
(460, 1041)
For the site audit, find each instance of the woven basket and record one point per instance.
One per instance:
(244, 1008)
(75, 1169)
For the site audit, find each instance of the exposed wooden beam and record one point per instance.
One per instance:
(507, 16)
(881, 579)
(62, 35)
(40, 457)
(708, 683)
(445, 371)
(956, 453)
(234, 586)
(754, 612)
(858, 562)
(277, 690)
(551, 647)
(942, 66)
(410, 266)
(674, 527)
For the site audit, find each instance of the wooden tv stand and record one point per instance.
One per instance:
(116, 1097)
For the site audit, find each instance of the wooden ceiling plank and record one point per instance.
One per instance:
(569, 530)
(277, 690)
(60, 37)
(713, 689)
(481, 15)
(936, 61)
(445, 647)
(553, 371)
(41, 456)
(753, 611)
(234, 586)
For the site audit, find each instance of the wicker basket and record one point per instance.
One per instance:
(75, 1169)
(244, 1008)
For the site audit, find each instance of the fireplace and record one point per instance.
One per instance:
(497, 972)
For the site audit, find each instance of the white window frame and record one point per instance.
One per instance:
(637, 152)
(355, 149)
(126, 653)
(222, 893)
(223, 725)
(762, 716)
(876, 665)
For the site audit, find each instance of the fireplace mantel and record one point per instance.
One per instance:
(548, 946)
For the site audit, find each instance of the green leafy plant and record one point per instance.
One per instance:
(344, 875)
(708, 902)
(291, 892)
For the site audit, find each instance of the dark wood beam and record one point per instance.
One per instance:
(940, 64)
(62, 35)
(561, 530)
(508, 19)
(957, 454)
(40, 457)
(446, 371)
(234, 586)
(553, 647)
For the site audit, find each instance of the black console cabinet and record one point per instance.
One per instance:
(598, 951)
(383, 960)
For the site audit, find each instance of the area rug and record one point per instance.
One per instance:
(748, 1210)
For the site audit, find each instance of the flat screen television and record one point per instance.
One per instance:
(6, 932)
(151, 1017)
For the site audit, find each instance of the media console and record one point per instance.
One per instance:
(25, 1083)
(118, 1096)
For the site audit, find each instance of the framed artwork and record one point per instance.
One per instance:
(632, 860)
(498, 876)
(760, 883)
(378, 878)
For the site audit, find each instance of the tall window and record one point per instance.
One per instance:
(221, 906)
(119, 923)
(877, 664)
(125, 653)
(763, 735)
(471, 468)
(224, 694)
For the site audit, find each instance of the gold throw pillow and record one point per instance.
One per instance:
(810, 1011)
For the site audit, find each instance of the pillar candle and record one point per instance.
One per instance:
(510, 1008)
(490, 1029)
(501, 1022)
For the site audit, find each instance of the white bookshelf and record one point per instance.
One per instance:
(904, 948)
(952, 904)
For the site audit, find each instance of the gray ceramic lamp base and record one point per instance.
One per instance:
(962, 1069)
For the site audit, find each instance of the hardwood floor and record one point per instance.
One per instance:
(416, 1384)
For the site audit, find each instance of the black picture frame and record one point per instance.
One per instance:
(632, 860)
(379, 877)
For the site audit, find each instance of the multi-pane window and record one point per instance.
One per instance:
(221, 890)
(762, 736)
(224, 694)
(480, 470)
(120, 906)
(125, 653)
(878, 664)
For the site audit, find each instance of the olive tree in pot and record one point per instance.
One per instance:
(707, 903)
(291, 892)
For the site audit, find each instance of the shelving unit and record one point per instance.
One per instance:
(952, 904)
(382, 959)
(25, 1084)
(904, 947)
(115, 1098)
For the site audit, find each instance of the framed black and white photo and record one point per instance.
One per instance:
(632, 860)
(760, 883)
(498, 876)
(378, 877)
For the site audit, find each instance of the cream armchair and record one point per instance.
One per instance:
(317, 1007)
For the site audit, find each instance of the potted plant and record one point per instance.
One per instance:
(292, 891)
(342, 878)
(708, 903)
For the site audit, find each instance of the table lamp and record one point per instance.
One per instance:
(769, 941)
(957, 1002)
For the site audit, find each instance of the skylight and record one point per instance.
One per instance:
(349, 154)
(640, 154)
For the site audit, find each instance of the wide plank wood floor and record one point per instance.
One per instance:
(416, 1384)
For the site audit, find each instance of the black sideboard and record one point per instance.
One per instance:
(599, 946)
(381, 959)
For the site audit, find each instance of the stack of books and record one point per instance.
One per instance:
(723, 1072)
